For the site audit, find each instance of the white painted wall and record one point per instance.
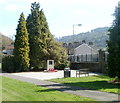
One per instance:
(84, 49)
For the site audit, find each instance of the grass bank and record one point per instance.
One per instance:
(13, 90)
(91, 82)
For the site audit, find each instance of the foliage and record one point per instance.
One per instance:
(33, 50)
(42, 44)
(8, 64)
(114, 46)
(21, 46)
(58, 54)
(13, 90)
(37, 36)
(91, 82)
(98, 36)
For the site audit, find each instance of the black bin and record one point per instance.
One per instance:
(67, 72)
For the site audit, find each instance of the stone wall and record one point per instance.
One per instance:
(93, 67)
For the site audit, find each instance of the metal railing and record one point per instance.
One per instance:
(84, 58)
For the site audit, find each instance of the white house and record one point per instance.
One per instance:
(84, 53)
(85, 49)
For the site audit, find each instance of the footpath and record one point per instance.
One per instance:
(93, 94)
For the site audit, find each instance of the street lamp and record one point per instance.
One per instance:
(73, 29)
(73, 38)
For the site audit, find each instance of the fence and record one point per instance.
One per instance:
(84, 58)
(95, 62)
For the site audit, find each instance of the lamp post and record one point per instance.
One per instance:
(73, 31)
(73, 39)
(76, 25)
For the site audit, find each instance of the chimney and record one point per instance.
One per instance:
(83, 41)
(91, 43)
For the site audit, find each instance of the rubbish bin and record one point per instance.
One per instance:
(67, 72)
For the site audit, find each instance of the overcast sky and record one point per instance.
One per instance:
(61, 15)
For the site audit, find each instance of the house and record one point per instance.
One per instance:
(85, 49)
(8, 50)
(70, 47)
(83, 53)
(82, 48)
(86, 56)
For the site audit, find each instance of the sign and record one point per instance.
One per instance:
(50, 64)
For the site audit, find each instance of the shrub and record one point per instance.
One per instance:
(8, 64)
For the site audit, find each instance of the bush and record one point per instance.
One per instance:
(63, 65)
(8, 64)
(60, 67)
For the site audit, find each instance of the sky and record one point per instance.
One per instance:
(61, 15)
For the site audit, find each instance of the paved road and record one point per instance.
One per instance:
(93, 94)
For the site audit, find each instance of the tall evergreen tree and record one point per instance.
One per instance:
(21, 46)
(35, 38)
(40, 39)
(53, 48)
(35, 26)
(114, 46)
(39, 34)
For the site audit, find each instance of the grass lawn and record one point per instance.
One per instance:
(91, 82)
(0, 89)
(0, 65)
(13, 90)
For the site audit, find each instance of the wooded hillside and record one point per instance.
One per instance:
(4, 40)
(98, 36)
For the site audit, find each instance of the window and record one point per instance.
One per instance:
(50, 62)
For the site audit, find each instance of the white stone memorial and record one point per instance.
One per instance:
(50, 65)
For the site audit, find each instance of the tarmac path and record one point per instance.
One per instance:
(93, 94)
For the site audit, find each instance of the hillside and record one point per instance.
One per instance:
(4, 41)
(98, 36)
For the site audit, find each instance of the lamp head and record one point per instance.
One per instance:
(79, 24)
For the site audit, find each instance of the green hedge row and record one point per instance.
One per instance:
(8, 64)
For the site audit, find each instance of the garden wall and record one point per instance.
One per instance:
(93, 67)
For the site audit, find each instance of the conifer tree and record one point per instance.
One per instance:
(36, 36)
(114, 46)
(40, 39)
(54, 49)
(21, 46)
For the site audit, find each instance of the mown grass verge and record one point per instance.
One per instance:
(91, 82)
(13, 90)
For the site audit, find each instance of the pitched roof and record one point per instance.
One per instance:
(85, 49)
(83, 44)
